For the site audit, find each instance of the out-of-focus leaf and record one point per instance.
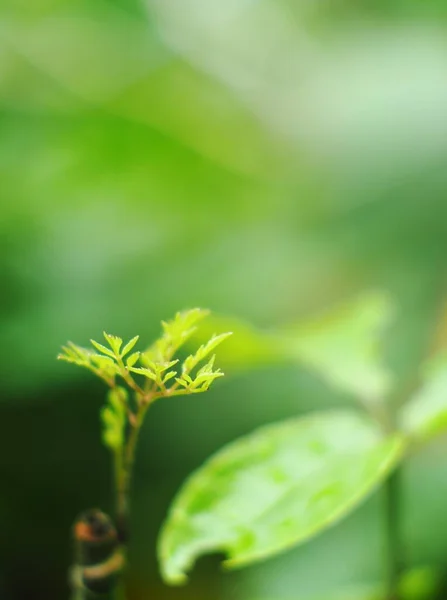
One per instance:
(275, 488)
(343, 346)
(75, 354)
(416, 584)
(425, 415)
(145, 372)
(247, 347)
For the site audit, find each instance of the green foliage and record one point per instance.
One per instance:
(287, 482)
(276, 488)
(175, 333)
(343, 346)
(425, 415)
(122, 416)
(153, 368)
(250, 347)
(103, 365)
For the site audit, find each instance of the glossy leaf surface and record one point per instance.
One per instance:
(275, 488)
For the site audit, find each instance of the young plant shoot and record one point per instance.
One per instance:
(136, 379)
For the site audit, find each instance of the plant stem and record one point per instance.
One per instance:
(123, 467)
(123, 478)
(120, 591)
(393, 489)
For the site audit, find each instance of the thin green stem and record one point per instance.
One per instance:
(124, 474)
(124, 462)
(120, 590)
(124, 372)
(393, 489)
(384, 414)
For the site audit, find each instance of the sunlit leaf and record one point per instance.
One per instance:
(145, 372)
(76, 355)
(69, 355)
(169, 375)
(104, 365)
(425, 415)
(114, 342)
(275, 488)
(156, 363)
(132, 359)
(128, 347)
(102, 349)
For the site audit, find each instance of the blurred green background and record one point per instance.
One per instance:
(264, 159)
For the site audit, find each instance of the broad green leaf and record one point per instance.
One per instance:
(343, 346)
(425, 415)
(275, 488)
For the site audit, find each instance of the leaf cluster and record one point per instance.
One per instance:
(153, 372)
(149, 374)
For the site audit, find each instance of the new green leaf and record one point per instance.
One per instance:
(205, 349)
(114, 342)
(128, 347)
(132, 359)
(102, 349)
(275, 488)
(175, 333)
